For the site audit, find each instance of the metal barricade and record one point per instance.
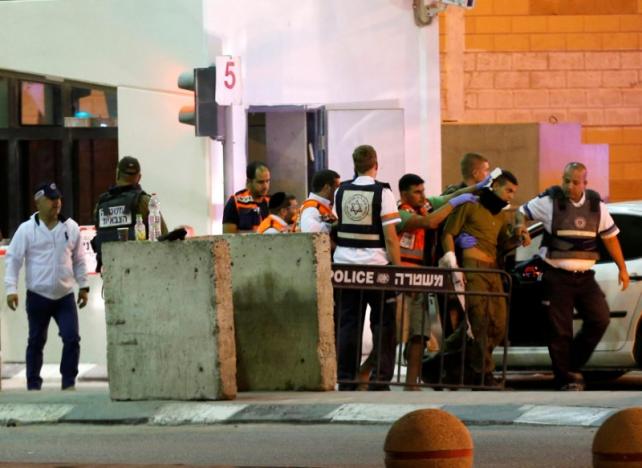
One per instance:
(380, 287)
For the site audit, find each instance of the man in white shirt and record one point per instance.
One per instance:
(367, 214)
(51, 248)
(316, 212)
(574, 218)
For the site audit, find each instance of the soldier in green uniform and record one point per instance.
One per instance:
(491, 227)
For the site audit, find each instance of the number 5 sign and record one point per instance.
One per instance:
(228, 80)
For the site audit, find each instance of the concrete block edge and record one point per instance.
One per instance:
(207, 413)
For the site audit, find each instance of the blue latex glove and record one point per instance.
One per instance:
(465, 241)
(484, 183)
(463, 198)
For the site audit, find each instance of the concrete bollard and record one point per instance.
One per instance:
(618, 441)
(428, 438)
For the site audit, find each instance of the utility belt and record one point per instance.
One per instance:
(474, 263)
(575, 274)
(474, 254)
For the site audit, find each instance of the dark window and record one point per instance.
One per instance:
(42, 162)
(96, 103)
(4, 102)
(37, 145)
(630, 233)
(95, 162)
(4, 191)
(39, 103)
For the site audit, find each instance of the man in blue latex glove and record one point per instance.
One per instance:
(465, 241)
(474, 170)
(487, 222)
(419, 215)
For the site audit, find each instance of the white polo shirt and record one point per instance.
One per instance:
(541, 209)
(389, 215)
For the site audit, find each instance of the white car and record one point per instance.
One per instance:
(620, 349)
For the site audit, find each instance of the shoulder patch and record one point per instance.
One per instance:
(245, 199)
(554, 191)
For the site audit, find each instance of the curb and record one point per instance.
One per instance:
(206, 413)
(86, 372)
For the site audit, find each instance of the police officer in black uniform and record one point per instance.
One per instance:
(573, 219)
(367, 214)
(119, 206)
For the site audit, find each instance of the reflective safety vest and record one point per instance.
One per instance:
(115, 209)
(324, 210)
(574, 230)
(359, 210)
(412, 242)
(251, 212)
(271, 222)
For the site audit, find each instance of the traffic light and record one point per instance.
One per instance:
(204, 114)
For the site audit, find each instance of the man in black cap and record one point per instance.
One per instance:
(283, 208)
(52, 249)
(119, 206)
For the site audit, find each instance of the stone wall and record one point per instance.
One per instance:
(551, 61)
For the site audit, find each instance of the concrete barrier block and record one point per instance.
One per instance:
(170, 325)
(283, 312)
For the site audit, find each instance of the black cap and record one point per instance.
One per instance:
(129, 165)
(48, 189)
(277, 201)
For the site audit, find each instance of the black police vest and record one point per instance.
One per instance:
(574, 230)
(116, 208)
(359, 210)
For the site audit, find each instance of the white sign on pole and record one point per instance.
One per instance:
(228, 80)
(87, 233)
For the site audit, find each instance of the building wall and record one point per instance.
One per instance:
(335, 52)
(140, 47)
(552, 61)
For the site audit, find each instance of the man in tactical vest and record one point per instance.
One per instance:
(573, 219)
(367, 214)
(474, 169)
(119, 206)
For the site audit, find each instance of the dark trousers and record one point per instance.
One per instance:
(40, 310)
(563, 291)
(349, 316)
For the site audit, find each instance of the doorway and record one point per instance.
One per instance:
(297, 141)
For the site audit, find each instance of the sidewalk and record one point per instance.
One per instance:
(90, 404)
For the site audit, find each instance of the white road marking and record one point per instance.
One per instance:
(371, 412)
(562, 415)
(193, 413)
